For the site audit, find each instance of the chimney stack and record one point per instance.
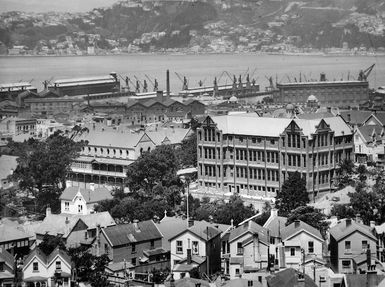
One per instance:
(48, 211)
(273, 211)
(190, 222)
(372, 224)
(329, 109)
(136, 226)
(358, 218)
(168, 83)
(92, 186)
(349, 117)
(348, 222)
(322, 77)
(297, 223)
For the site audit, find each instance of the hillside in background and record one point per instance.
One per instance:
(201, 26)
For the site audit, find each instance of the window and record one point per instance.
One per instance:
(133, 261)
(152, 244)
(239, 248)
(310, 246)
(347, 246)
(58, 265)
(35, 267)
(66, 205)
(364, 244)
(195, 248)
(133, 248)
(292, 251)
(250, 283)
(179, 246)
(106, 248)
(1, 266)
(237, 271)
(345, 264)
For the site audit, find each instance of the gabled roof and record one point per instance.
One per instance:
(203, 229)
(356, 117)
(97, 195)
(288, 278)
(275, 224)
(297, 227)
(248, 227)
(380, 117)
(47, 260)
(118, 266)
(173, 135)
(55, 224)
(367, 132)
(360, 280)
(128, 233)
(7, 258)
(48, 94)
(347, 227)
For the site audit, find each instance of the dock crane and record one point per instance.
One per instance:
(139, 85)
(46, 83)
(364, 74)
(183, 80)
(153, 83)
(127, 81)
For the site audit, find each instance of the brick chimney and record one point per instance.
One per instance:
(297, 223)
(136, 226)
(372, 224)
(190, 222)
(358, 218)
(348, 222)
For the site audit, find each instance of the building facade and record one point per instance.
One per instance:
(329, 93)
(251, 155)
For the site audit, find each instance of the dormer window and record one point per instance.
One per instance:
(35, 267)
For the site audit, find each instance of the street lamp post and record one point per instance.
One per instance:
(185, 176)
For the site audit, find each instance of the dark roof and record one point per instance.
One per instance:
(368, 131)
(47, 94)
(356, 117)
(380, 117)
(47, 259)
(169, 102)
(344, 229)
(248, 227)
(288, 278)
(7, 258)
(190, 101)
(89, 196)
(275, 225)
(127, 233)
(315, 116)
(299, 226)
(359, 280)
(156, 251)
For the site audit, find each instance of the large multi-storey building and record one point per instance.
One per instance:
(329, 93)
(252, 155)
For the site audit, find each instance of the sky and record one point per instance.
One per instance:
(52, 5)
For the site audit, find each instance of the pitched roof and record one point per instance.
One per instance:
(288, 278)
(55, 224)
(97, 195)
(380, 117)
(169, 227)
(7, 258)
(11, 232)
(173, 135)
(241, 282)
(111, 139)
(299, 226)
(128, 233)
(252, 124)
(356, 117)
(347, 227)
(314, 116)
(47, 259)
(7, 163)
(119, 266)
(203, 229)
(250, 226)
(359, 280)
(368, 131)
(275, 225)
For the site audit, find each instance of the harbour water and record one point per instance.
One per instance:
(195, 67)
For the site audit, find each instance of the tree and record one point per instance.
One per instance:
(158, 166)
(98, 277)
(365, 203)
(234, 209)
(187, 153)
(311, 216)
(362, 171)
(43, 166)
(266, 212)
(83, 261)
(344, 172)
(342, 211)
(50, 243)
(293, 194)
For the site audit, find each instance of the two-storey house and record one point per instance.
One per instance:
(130, 241)
(351, 246)
(368, 144)
(197, 246)
(76, 200)
(300, 240)
(52, 270)
(249, 248)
